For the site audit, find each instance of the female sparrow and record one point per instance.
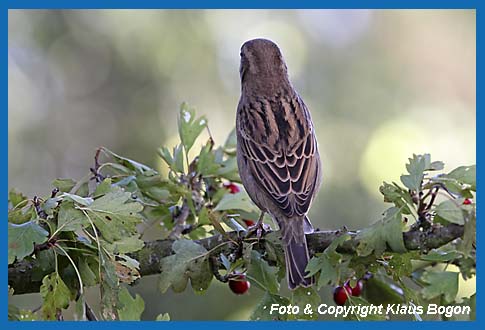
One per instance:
(277, 151)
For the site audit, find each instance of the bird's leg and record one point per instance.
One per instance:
(259, 228)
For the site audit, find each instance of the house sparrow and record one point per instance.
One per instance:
(277, 152)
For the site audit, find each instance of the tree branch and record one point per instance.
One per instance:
(23, 279)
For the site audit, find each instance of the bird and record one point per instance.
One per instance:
(277, 151)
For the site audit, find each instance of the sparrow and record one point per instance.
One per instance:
(277, 152)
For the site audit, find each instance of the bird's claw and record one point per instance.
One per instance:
(260, 229)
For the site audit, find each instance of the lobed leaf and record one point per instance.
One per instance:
(188, 262)
(22, 238)
(130, 308)
(387, 231)
(440, 283)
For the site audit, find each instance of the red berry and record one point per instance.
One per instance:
(348, 287)
(233, 189)
(239, 285)
(357, 289)
(248, 222)
(467, 201)
(340, 296)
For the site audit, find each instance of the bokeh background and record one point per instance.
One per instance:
(380, 85)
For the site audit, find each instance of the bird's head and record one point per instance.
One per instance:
(262, 61)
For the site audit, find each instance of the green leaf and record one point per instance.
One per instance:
(400, 264)
(415, 168)
(163, 317)
(469, 236)
(125, 245)
(380, 289)
(88, 276)
(45, 260)
(189, 127)
(84, 201)
(206, 164)
(261, 274)
(115, 214)
(238, 201)
(56, 295)
(80, 308)
(263, 309)
(165, 154)
(440, 256)
(50, 204)
(132, 308)
(328, 263)
(22, 215)
(131, 164)
(228, 170)
(17, 314)
(178, 158)
(440, 283)
(465, 174)
(103, 188)
(397, 195)
(189, 262)
(303, 297)
(15, 197)
(64, 185)
(21, 239)
(388, 231)
(435, 166)
(109, 287)
(231, 141)
(70, 218)
(450, 210)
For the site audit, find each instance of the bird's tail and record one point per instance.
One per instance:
(296, 254)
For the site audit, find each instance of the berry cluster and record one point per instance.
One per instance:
(341, 293)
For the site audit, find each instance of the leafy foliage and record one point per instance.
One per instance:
(188, 262)
(88, 233)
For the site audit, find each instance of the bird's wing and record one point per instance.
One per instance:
(281, 152)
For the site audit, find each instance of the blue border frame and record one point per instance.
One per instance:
(212, 4)
(255, 4)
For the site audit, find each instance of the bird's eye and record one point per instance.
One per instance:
(241, 54)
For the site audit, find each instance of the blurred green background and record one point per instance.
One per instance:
(380, 85)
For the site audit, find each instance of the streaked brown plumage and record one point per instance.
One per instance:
(277, 152)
